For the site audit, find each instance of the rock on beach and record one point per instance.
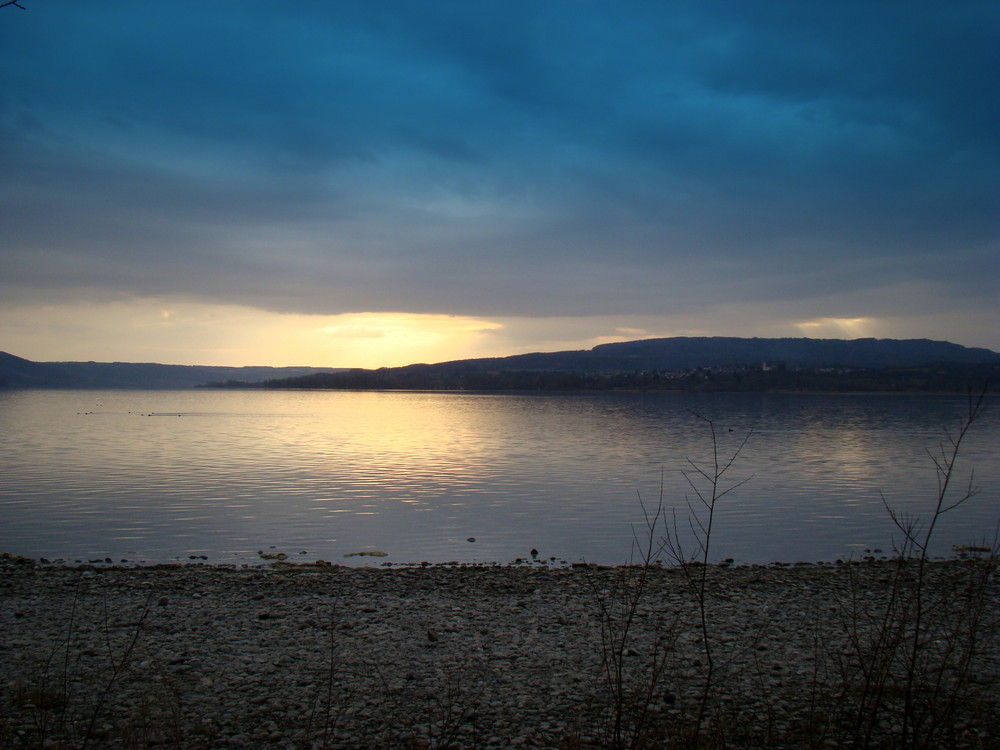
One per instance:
(467, 657)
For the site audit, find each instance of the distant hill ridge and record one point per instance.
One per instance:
(867, 352)
(684, 352)
(16, 372)
(664, 355)
(696, 364)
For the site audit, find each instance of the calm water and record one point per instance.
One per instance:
(161, 475)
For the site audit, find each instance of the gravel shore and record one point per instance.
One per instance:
(327, 656)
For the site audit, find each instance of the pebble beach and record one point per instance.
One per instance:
(324, 656)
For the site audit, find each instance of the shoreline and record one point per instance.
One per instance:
(501, 656)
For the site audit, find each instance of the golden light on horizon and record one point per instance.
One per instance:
(393, 339)
(852, 328)
(172, 330)
(191, 333)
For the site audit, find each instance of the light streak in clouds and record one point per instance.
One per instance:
(840, 328)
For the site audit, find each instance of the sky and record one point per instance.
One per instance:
(365, 184)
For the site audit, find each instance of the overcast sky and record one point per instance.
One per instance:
(374, 183)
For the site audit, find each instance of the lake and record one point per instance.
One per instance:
(161, 476)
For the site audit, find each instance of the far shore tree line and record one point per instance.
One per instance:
(939, 378)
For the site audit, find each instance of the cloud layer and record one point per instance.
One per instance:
(557, 160)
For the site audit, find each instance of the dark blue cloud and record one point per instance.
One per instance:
(500, 158)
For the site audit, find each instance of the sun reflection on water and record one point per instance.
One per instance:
(418, 474)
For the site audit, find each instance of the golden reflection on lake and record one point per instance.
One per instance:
(227, 473)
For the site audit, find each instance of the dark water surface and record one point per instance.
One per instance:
(161, 475)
